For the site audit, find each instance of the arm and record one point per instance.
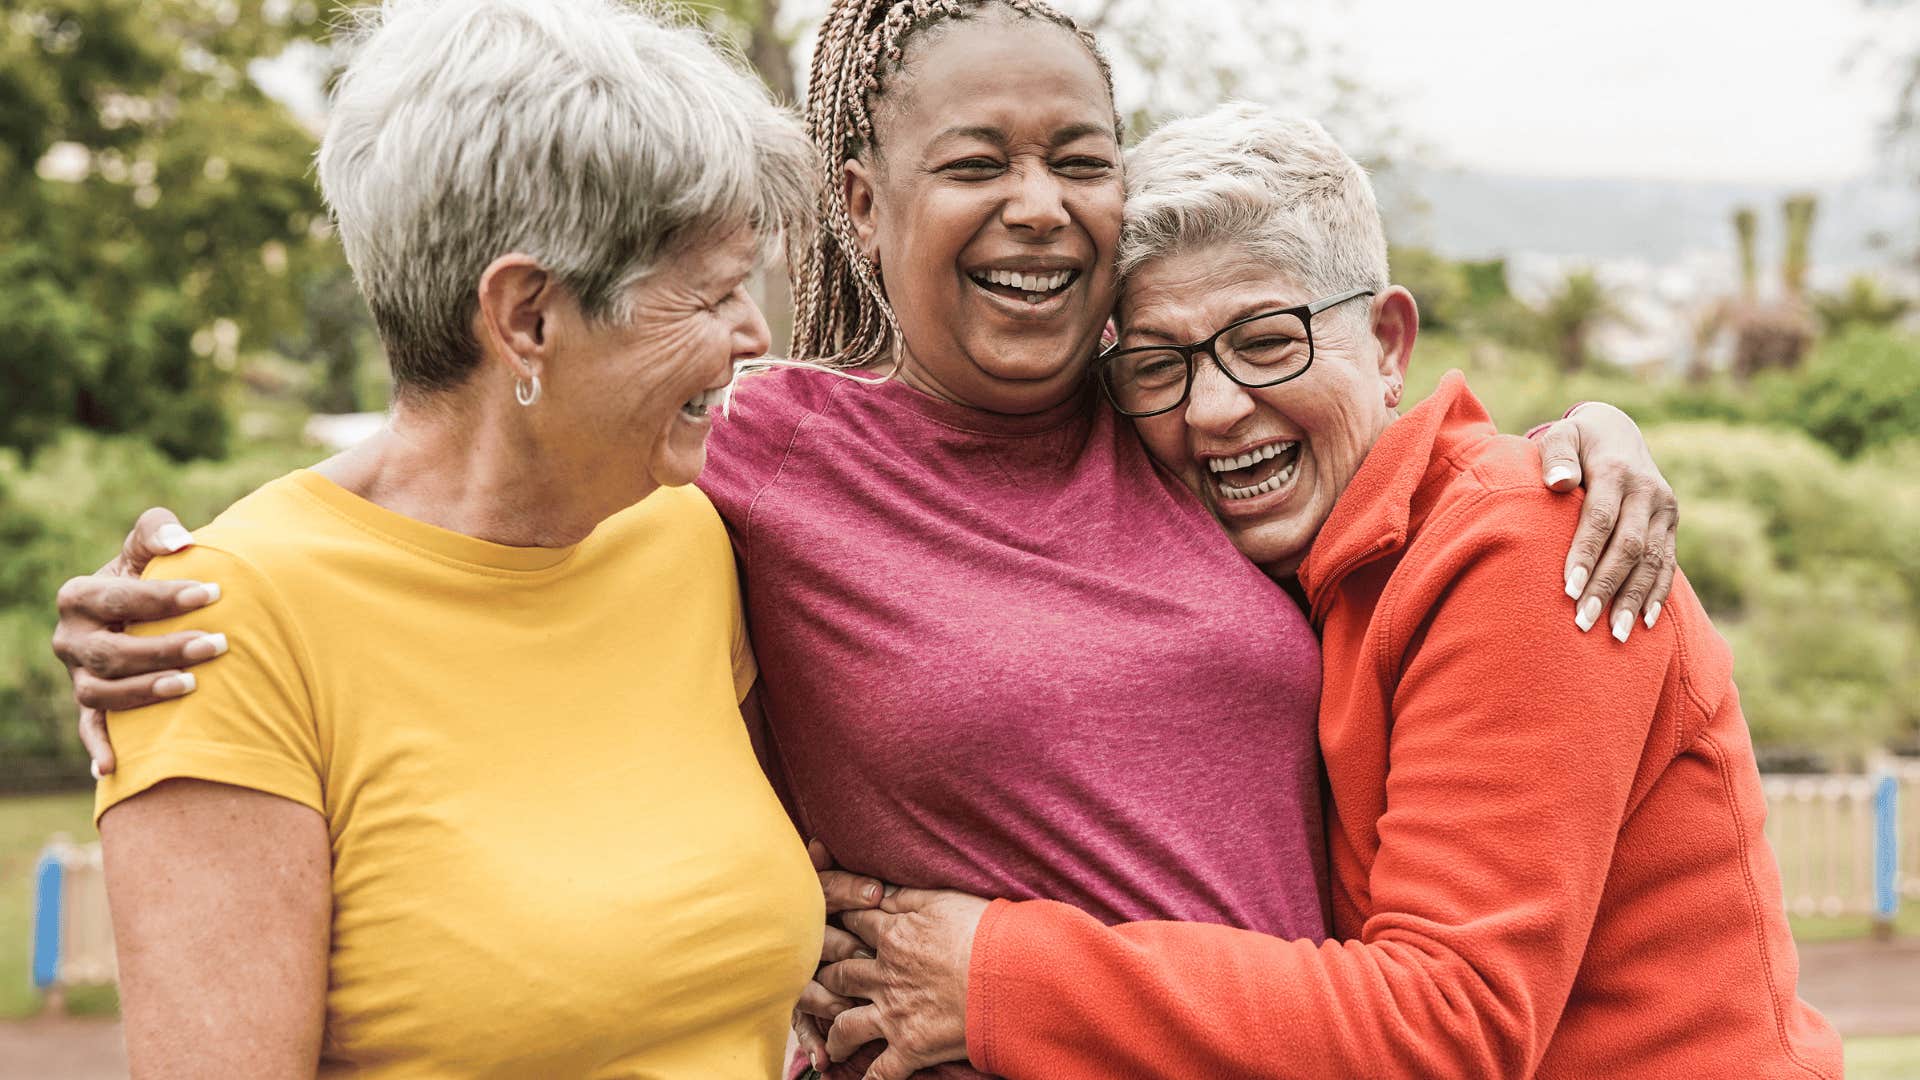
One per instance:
(1508, 787)
(1621, 559)
(220, 912)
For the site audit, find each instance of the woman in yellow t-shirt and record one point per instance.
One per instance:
(360, 846)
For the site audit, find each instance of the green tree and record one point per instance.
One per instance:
(159, 216)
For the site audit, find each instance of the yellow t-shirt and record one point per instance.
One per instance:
(554, 853)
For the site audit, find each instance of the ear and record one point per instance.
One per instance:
(515, 319)
(1396, 322)
(856, 183)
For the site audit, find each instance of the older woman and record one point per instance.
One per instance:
(1000, 649)
(469, 794)
(1533, 872)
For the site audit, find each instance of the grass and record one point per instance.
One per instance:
(1812, 928)
(26, 823)
(1892, 1057)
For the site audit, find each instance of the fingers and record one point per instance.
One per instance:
(1633, 595)
(822, 859)
(848, 892)
(892, 1064)
(898, 899)
(818, 1001)
(853, 1029)
(840, 945)
(110, 655)
(120, 695)
(1597, 518)
(93, 736)
(1624, 551)
(850, 978)
(105, 600)
(1560, 457)
(807, 1034)
(868, 925)
(1663, 580)
(157, 532)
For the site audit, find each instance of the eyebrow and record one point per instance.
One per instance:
(1164, 338)
(998, 137)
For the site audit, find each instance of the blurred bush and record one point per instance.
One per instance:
(65, 514)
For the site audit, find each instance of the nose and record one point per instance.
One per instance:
(751, 337)
(1216, 404)
(1037, 202)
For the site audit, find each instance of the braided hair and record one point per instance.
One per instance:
(840, 308)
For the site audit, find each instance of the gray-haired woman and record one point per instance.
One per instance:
(469, 794)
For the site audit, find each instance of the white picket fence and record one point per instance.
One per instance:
(1828, 834)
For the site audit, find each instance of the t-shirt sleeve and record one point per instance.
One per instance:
(249, 722)
(751, 440)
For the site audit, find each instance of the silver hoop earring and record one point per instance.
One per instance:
(524, 393)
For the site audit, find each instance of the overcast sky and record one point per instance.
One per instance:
(1750, 90)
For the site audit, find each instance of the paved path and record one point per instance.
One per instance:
(1864, 987)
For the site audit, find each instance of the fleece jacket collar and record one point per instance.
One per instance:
(1382, 503)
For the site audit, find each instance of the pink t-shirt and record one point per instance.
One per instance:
(1008, 655)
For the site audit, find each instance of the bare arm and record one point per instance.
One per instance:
(221, 904)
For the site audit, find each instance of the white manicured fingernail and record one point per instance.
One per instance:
(175, 685)
(205, 647)
(1559, 474)
(172, 538)
(94, 768)
(200, 595)
(1589, 614)
(1653, 612)
(1576, 581)
(1622, 625)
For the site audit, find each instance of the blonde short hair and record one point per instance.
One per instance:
(1275, 186)
(598, 136)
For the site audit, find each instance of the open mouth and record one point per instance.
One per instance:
(1031, 288)
(1256, 472)
(697, 405)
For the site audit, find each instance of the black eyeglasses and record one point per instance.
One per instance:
(1260, 350)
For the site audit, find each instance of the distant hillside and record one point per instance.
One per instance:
(1861, 225)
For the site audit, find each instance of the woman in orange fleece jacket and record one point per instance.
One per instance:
(1531, 874)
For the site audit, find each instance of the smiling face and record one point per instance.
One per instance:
(632, 395)
(1269, 462)
(992, 205)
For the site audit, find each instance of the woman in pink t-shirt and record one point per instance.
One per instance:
(1000, 651)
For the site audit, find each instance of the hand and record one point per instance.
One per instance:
(115, 670)
(1622, 552)
(916, 983)
(843, 892)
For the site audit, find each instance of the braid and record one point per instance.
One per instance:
(840, 306)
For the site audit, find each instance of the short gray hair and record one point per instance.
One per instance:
(599, 137)
(1277, 187)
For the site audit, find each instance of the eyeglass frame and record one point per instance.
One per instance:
(1304, 312)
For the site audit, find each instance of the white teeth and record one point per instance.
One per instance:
(1251, 457)
(699, 403)
(1271, 483)
(1028, 283)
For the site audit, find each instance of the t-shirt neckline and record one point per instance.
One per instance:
(430, 539)
(1077, 406)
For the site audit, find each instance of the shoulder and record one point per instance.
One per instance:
(1489, 490)
(759, 428)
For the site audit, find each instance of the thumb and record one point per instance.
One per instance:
(158, 532)
(892, 1064)
(1560, 457)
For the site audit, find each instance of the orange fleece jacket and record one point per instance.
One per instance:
(1545, 846)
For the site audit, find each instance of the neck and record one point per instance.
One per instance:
(1006, 397)
(477, 464)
